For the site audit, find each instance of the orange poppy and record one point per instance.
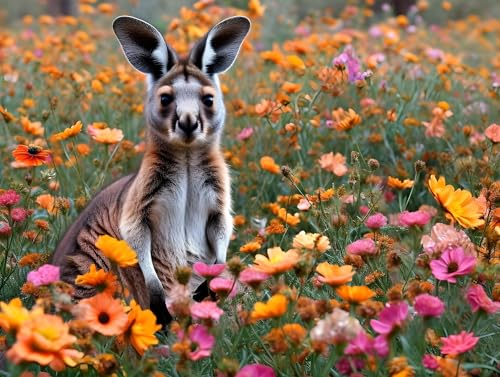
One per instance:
(102, 280)
(277, 261)
(67, 133)
(333, 274)
(355, 294)
(103, 314)
(31, 155)
(141, 328)
(397, 184)
(117, 251)
(275, 307)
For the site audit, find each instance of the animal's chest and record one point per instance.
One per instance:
(179, 217)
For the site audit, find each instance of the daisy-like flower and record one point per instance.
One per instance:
(333, 274)
(398, 184)
(416, 218)
(267, 163)
(208, 270)
(141, 327)
(252, 277)
(459, 204)
(334, 163)
(277, 261)
(479, 300)
(256, 370)
(12, 314)
(74, 130)
(103, 281)
(103, 314)
(202, 342)
(9, 198)
(458, 344)
(390, 318)
(343, 120)
(224, 286)
(206, 310)
(452, 263)
(310, 241)
(355, 294)
(31, 155)
(105, 135)
(116, 251)
(275, 307)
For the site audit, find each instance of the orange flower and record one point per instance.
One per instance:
(103, 314)
(106, 135)
(275, 307)
(117, 251)
(333, 274)
(13, 314)
(397, 184)
(45, 339)
(290, 219)
(47, 202)
(290, 87)
(102, 280)
(68, 132)
(255, 8)
(141, 328)
(277, 261)
(267, 163)
(355, 294)
(8, 117)
(345, 120)
(493, 133)
(334, 163)
(31, 155)
(311, 241)
(33, 128)
(459, 204)
(250, 247)
(295, 62)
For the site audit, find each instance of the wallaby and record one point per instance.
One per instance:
(176, 210)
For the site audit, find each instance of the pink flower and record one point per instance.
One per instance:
(304, 204)
(453, 262)
(444, 237)
(9, 198)
(208, 270)
(252, 277)
(349, 60)
(361, 344)
(45, 274)
(430, 362)
(18, 214)
(206, 310)
(224, 286)
(345, 365)
(364, 246)
(478, 299)
(256, 370)
(427, 305)
(458, 344)
(390, 318)
(202, 340)
(419, 218)
(5, 229)
(381, 345)
(245, 133)
(376, 221)
(493, 133)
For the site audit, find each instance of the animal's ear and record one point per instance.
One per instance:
(217, 51)
(144, 46)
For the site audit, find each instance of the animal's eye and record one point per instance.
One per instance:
(208, 100)
(166, 99)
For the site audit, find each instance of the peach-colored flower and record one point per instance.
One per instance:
(105, 135)
(493, 133)
(334, 163)
(333, 274)
(277, 261)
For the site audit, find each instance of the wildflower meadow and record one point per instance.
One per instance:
(364, 157)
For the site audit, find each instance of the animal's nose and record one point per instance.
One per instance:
(188, 123)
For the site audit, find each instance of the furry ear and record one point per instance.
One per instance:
(144, 46)
(217, 51)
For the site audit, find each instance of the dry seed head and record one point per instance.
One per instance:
(182, 275)
(373, 164)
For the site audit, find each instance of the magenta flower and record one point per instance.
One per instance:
(208, 270)
(376, 221)
(361, 344)
(418, 218)
(479, 300)
(453, 262)
(245, 133)
(224, 286)
(430, 362)
(203, 342)
(252, 277)
(9, 198)
(427, 305)
(256, 370)
(345, 365)
(45, 274)
(18, 214)
(364, 246)
(458, 344)
(5, 229)
(349, 60)
(390, 318)
(206, 310)
(381, 345)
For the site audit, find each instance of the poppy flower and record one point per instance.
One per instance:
(275, 307)
(355, 294)
(103, 314)
(117, 251)
(31, 155)
(277, 261)
(141, 327)
(458, 344)
(333, 274)
(452, 263)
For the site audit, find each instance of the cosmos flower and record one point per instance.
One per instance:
(333, 274)
(276, 306)
(390, 318)
(452, 263)
(417, 218)
(31, 155)
(479, 300)
(256, 370)
(74, 130)
(117, 251)
(334, 163)
(105, 135)
(277, 261)
(103, 314)
(208, 270)
(141, 327)
(206, 310)
(355, 294)
(458, 344)
(102, 280)
(202, 342)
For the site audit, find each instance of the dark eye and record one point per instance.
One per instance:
(208, 100)
(166, 99)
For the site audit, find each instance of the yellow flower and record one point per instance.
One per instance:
(275, 307)
(141, 328)
(311, 241)
(13, 314)
(117, 251)
(277, 261)
(459, 204)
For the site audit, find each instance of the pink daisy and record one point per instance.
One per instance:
(224, 287)
(453, 262)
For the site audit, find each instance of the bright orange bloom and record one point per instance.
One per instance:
(345, 120)
(68, 132)
(8, 117)
(290, 87)
(47, 202)
(141, 328)
(459, 204)
(31, 155)
(290, 219)
(33, 128)
(275, 307)
(45, 339)
(255, 8)
(397, 184)
(102, 280)
(355, 294)
(117, 251)
(277, 261)
(295, 62)
(103, 314)
(106, 135)
(333, 274)
(250, 247)
(12, 315)
(267, 163)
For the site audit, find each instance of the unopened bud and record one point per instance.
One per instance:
(420, 166)
(373, 164)
(183, 274)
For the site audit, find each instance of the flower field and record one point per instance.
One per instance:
(364, 156)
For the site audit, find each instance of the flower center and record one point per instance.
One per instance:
(452, 267)
(103, 318)
(34, 150)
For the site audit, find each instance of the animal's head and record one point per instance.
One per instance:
(184, 103)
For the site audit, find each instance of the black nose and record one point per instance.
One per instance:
(187, 125)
